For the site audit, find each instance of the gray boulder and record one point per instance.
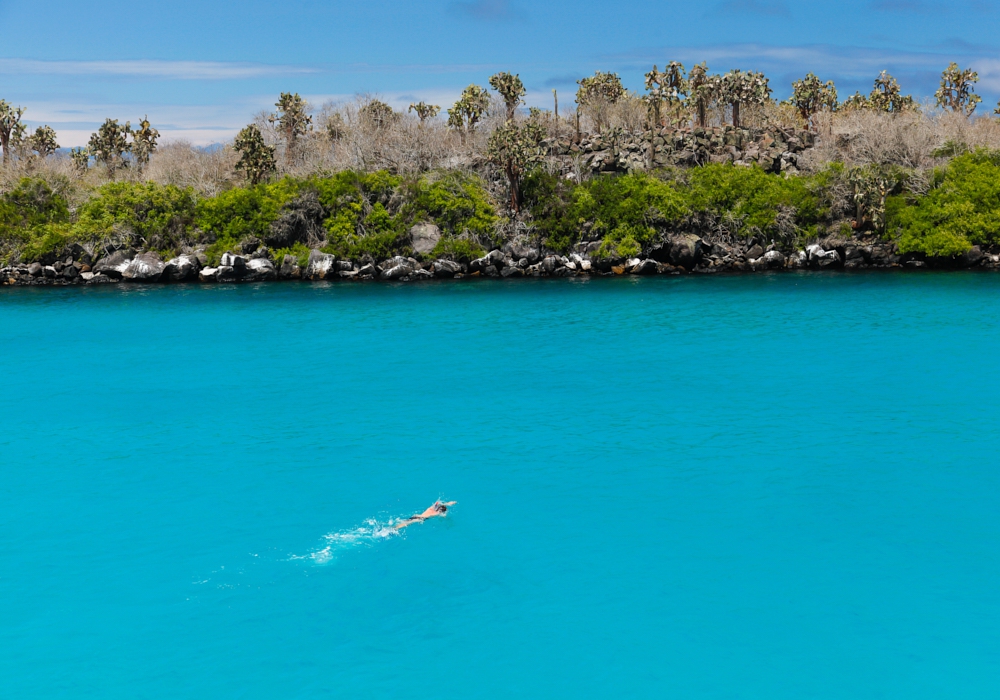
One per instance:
(290, 269)
(181, 268)
(446, 268)
(646, 267)
(820, 258)
(755, 252)
(520, 250)
(208, 274)
(237, 262)
(146, 267)
(774, 260)
(491, 271)
(395, 272)
(368, 270)
(686, 250)
(113, 265)
(320, 266)
(972, 257)
(424, 238)
(261, 269)
(511, 271)
(35, 269)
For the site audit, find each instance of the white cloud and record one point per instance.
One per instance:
(169, 70)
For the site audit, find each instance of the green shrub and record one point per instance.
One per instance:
(456, 202)
(26, 213)
(458, 249)
(751, 199)
(160, 215)
(628, 212)
(961, 210)
(47, 239)
(549, 198)
(299, 250)
(241, 213)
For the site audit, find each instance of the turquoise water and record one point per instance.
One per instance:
(748, 487)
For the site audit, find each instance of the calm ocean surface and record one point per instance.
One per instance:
(750, 487)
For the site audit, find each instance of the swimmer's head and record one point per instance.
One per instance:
(440, 508)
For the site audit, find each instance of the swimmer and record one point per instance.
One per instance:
(437, 510)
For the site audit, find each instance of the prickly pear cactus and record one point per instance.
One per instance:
(511, 89)
(957, 91)
(469, 109)
(110, 144)
(424, 111)
(144, 142)
(256, 158)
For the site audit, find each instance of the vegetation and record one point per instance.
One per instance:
(961, 209)
(881, 169)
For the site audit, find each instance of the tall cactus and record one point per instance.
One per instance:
(292, 121)
(737, 89)
(810, 96)
(144, 142)
(516, 149)
(256, 157)
(957, 91)
(598, 92)
(424, 111)
(10, 127)
(110, 144)
(43, 141)
(469, 109)
(511, 89)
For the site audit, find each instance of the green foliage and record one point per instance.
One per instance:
(300, 250)
(458, 249)
(627, 211)
(957, 92)
(457, 202)
(749, 200)
(110, 144)
(239, 213)
(158, 216)
(549, 198)
(256, 157)
(48, 239)
(511, 89)
(32, 217)
(962, 210)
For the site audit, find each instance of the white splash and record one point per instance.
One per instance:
(368, 535)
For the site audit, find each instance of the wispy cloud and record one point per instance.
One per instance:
(168, 70)
(486, 10)
(755, 7)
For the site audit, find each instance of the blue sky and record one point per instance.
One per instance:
(201, 69)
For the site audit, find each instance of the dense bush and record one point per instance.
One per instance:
(33, 217)
(962, 208)
(154, 216)
(749, 201)
(240, 213)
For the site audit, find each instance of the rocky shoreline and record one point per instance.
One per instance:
(686, 254)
